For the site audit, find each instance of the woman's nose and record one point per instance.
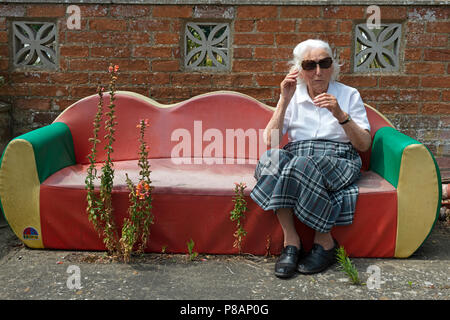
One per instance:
(318, 70)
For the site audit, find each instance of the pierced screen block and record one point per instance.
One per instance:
(207, 46)
(377, 49)
(34, 45)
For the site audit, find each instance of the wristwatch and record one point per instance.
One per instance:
(346, 120)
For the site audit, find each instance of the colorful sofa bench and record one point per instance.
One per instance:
(198, 149)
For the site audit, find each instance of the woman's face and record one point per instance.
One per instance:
(317, 79)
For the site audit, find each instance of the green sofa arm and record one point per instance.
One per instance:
(26, 162)
(411, 168)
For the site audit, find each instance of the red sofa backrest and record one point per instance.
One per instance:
(192, 128)
(201, 122)
(377, 121)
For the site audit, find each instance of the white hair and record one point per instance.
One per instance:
(306, 46)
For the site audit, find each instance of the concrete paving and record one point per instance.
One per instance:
(28, 274)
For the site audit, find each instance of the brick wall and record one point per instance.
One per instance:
(145, 41)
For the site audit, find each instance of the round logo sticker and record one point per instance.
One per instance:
(30, 233)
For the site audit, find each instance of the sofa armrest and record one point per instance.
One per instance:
(411, 168)
(26, 162)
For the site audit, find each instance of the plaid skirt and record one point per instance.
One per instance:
(315, 177)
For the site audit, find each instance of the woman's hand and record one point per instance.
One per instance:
(289, 84)
(360, 138)
(328, 101)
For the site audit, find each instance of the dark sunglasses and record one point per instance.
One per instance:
(311, 64)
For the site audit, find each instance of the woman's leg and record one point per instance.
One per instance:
(286, 218)
(324, 239)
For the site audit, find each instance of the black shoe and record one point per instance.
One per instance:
(318, 259)
(287, 262)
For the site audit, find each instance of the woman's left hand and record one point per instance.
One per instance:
(328, 101)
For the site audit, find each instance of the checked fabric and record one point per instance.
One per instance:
(315, 177)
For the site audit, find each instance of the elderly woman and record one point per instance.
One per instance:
(313, 177)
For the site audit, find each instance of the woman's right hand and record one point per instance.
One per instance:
(289, 84)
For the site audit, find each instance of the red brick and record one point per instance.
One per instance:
(345, 26)
(108, 24)
(446, 95)
(130, 11)
(74, 51)
(273, 53)
(48, 90)
(88, 65)
(413, 54)
(256, 12)
(424, 68)
(172, 11)
(358, 81)
(14, 90)
(290, 39)
(269, 81)
(114, 38)
(438, 26)
(344, 12)
(172, 92)
(300, 12)
(252, 66)
(165, 65)
(436, 82)
(191, 79)
(424, 13)
(4, 50)
(33, 104)
(242, 53)
(93, 11)
(149, 25)
(39, 10)
(29, 77)
(253, 39)
(276, 26)
(437, 54)
(258, 93)
(281, 67)
(153, 52)
(12, 10)
(425, 40)
(153, 79)
(167, 38)
(378, 95)
(3, 37)
(402, 108)
(314, 25)
(233, 80)
(103, 78)
(4, 64)
(391, 12)
(69, 78)
(82, 91)
(337, 39)
(418, 95)
(399, 81)
(107, 51)
(417, 27)
(436, 108)
(244, 25)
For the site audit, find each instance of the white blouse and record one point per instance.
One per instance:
(304, 121)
